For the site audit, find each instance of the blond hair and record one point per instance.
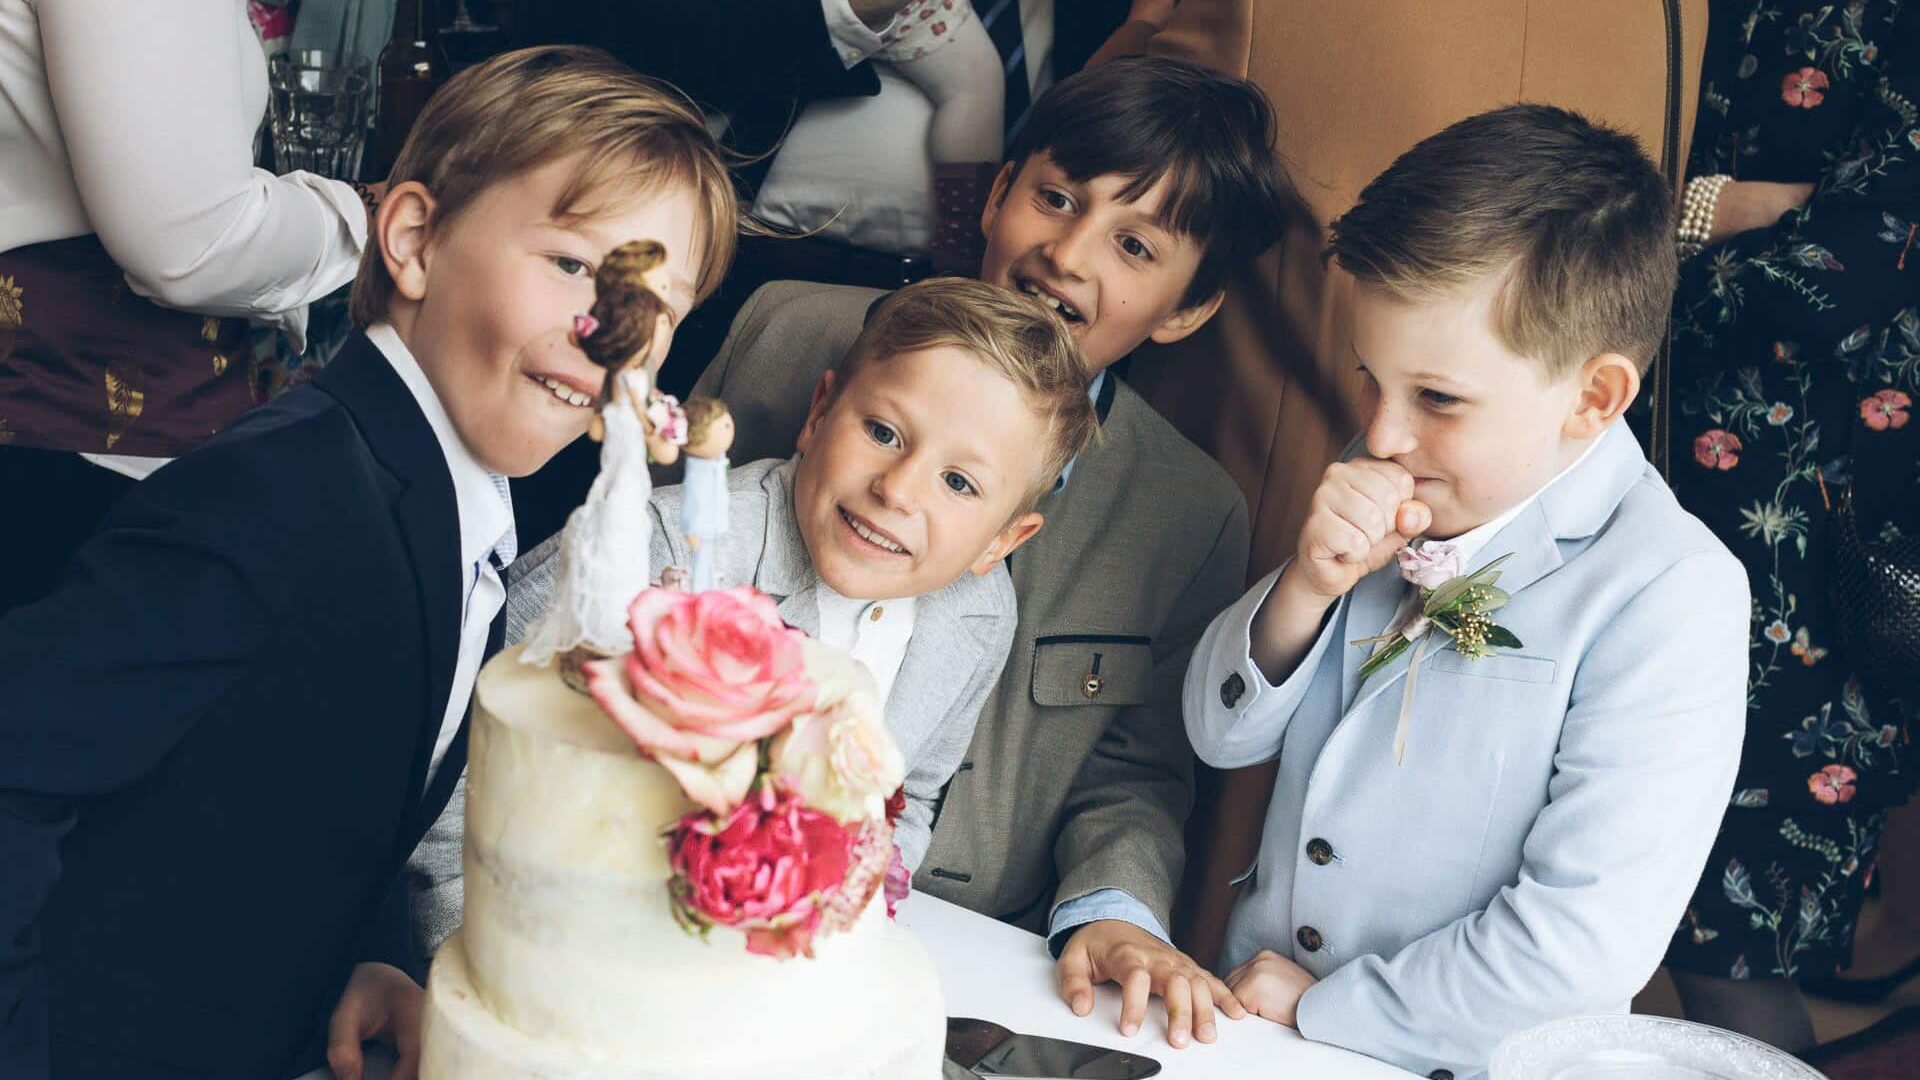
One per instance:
(523, 109)
(1568, 216)
(702, 413)
(1011, 333)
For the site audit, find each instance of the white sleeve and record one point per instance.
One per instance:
(1234, 716)
(152, 100)
(853, 40)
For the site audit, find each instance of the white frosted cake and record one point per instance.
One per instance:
(576, 960)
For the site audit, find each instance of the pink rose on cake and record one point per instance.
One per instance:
(840, 757)
(769, 868)
(710, 675)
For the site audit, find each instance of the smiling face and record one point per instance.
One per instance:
(1479, 427)
(912, 473)
(1109, 267)
(486, 302)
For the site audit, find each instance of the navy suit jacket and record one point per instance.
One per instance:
(214, 739)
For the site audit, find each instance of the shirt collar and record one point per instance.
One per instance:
(1474, 540)
(1098, 384)
(486, 515)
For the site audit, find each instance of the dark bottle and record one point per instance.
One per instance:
(412, 67)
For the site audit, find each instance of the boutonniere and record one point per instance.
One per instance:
(1461, 606)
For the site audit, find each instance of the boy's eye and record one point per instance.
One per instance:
(882, 434)
(1133, 246)
(1438, 399)
(958, 484)
(1056, 200)
(572, 267)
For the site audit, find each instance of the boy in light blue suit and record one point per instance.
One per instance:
(1486, 816)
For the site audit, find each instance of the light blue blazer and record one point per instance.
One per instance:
(1531, 856)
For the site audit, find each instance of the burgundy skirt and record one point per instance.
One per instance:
(87, 366)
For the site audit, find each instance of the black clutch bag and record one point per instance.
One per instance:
(1876, 594)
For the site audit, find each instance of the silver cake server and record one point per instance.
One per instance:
(990, 1050)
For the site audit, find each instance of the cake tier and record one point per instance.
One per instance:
(463, 1041)
(569, 936)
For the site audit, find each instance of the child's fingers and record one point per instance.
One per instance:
(1413, 518)
(1179, 999)
(1076, 979)
(408, 1067)
(343, 1043)
(1224, 1000)
(1135, 992)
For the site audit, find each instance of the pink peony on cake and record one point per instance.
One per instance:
(687, 873)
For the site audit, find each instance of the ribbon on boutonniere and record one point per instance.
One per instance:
(1461, 608)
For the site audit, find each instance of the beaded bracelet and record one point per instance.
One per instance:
(1696, 212)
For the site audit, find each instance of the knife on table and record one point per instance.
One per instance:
(990, 1050)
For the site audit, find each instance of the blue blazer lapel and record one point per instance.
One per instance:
(396, 432)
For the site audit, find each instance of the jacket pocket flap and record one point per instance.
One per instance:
(1090, 669)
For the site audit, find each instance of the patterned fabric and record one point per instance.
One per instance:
(85, 365)
(1796, 364)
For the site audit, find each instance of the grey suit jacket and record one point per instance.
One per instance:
(961, 633)
(1079, 777)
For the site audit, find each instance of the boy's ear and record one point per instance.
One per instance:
(1608, 383)
(1018, 531)
(402, 227)
(996, 198)
(817, 410)
(1186, 320)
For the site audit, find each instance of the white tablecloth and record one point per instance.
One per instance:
(996, 972)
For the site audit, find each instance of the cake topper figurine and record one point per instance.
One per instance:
(703, 491)
(604, 551)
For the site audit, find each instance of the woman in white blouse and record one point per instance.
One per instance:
(136, 240)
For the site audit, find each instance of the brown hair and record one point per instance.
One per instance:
(1152, 118)
(626, 310)
(1570, 215)
(1011, 333)
(702, 413)
(523, 109)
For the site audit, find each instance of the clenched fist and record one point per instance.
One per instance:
(1363, 512)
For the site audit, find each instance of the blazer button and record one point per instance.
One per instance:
(1231, 690)
(1319, 851)
(1309, 938)
(1440, 1074)
(1092, 685)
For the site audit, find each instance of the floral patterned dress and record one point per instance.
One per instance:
(1796, 368)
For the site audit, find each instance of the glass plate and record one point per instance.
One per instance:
(1639, 1048)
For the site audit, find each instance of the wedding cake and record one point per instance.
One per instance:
(681, 874)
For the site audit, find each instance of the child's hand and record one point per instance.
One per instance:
(380, 1002)
(1270, 985)
(1363, 512)
(1109, 950)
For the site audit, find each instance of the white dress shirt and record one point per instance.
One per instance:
(136, 122)
(486, 534)
(874, 632)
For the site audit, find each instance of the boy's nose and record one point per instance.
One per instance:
(894, 487)
(1388, 436)
(1070, 252)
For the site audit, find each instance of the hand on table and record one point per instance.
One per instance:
(1270, 985)
(380, 1002)
(1108, 950)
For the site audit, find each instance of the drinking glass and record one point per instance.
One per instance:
(319, 111)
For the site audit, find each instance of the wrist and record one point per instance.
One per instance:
(1698, 207)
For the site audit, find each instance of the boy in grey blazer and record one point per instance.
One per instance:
(1487, 816)
(918, 469)
(1067, 815)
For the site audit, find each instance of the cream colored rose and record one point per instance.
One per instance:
(840, 757)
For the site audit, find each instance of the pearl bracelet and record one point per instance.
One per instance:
(1696, 212)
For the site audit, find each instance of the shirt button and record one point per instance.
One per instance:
(1319, 851)
(876, 613)
(1309, 938)
(1231, 690)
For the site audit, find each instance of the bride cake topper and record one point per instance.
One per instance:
(604, 551)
